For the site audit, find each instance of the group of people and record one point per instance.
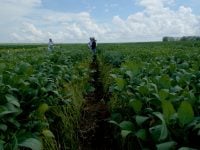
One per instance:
(92, 45)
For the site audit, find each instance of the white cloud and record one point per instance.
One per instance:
(157, 20)
(27, 21)
(62, 27)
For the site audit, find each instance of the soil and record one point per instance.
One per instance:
(95, 131)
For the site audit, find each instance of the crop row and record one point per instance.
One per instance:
(41, 96)
(155, 88)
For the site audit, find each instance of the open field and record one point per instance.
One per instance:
(128, 96)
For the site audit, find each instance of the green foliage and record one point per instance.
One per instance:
(168, 110)
(185, 113)
(160, 95)
(31, 143)
(32, 83)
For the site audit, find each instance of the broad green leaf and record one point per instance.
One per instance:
(127, 125)
(133, 67)
(185, 113)
(136, 105)
(129, 74)
(13, 144)
(31, 143)
(166, 145)
(43, 108)
(141, 134)
(125, 133)
(24, 68)
(172, 67)
(141, 119)
(5, 111)
(155, 132)
(186, 148)
(13, 100)
(176, 89)
(1, 145)
(113, 122)
(165, 81)
(163, 94)
(168, 110)
(3, 127)
(120, 83)
(164, 131)
(47, 133)
(143, 89)
(116, 117)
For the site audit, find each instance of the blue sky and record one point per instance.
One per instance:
(101, 10)
(116, 7)
(107, 20)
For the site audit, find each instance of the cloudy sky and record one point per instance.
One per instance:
(107, 20)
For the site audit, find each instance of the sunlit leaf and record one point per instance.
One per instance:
(48, 133)
(127, 125)
(43, 108)
(165, 81)
(32, 143)
(185, 113)
(141, 119)
(120, 83)
(136, 105)
(143, 89)
(141, 134)
(166, 146)
(163, 127)
(163, 94)
(13, 100)
(168, 110)
(125, 133)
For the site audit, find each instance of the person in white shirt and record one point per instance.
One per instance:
(50, 45)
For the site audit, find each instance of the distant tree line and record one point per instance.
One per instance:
(184, 38)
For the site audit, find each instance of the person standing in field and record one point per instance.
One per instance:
(50, 45)
(92, 45)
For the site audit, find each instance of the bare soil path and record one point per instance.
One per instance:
(95, 131)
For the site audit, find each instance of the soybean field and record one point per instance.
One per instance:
(142, 96)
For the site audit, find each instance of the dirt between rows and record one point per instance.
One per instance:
(95, 133)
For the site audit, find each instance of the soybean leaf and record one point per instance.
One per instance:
(166, 145)
(125, 133)
(116, 117)
(127, 125)
(163, 94)
(186, 148)
(1, 145)
(31, 143)
(129, 74)
(143, 89)
(165, 81)
(141, 119)
(120, 83)
(43, 108)
(142, 134)
(136, 105)
(47, 133)
(185, 113)
(13, 100)
(164, 131)
(3, 127)
(168, 110)
(5, 111)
